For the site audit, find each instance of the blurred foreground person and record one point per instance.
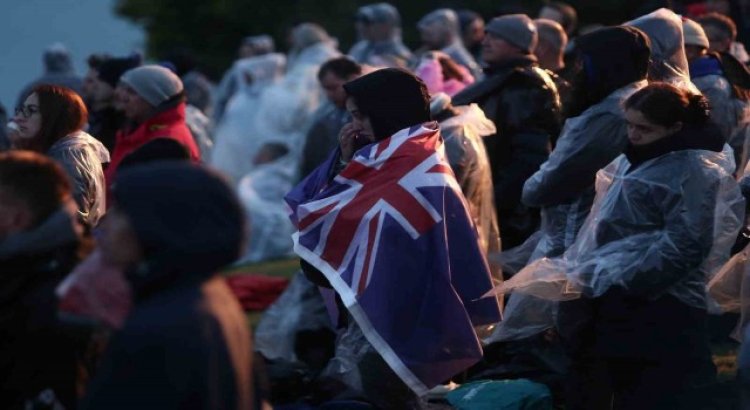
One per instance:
(41, 241)
(386, 191)
(185, 343)
(50, 121)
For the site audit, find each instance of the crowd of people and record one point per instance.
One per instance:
(518, 213)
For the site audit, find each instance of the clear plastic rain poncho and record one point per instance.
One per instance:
(731, 114)
(285, 110)
(262, 194)
(82, 156)
(468, 158)
(730, 288)
(233, 143)
(595, 135)
(664, 228)
(668, 60)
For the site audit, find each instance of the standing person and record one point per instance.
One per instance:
(87, 87)
(105, 120)
(41, 241)
(726, 83)
(668, 60)
(472, 32)
(154, 101)
(667, 217)
(462, 129)
(252, 46)
(523, 102)
(722, 36)
(51, 122)
(185, 343)
(440, 31)
(58, 70)
(594, 134)
(331, 117)
(550, 49)
(442, 74)
(563, 13)
(388, 191)
(380, 43)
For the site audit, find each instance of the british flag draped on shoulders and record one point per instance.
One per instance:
(392, 234)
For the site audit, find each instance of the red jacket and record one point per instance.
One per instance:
(166, 124)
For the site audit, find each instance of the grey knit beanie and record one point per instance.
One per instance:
(517, 29)
(153, 83)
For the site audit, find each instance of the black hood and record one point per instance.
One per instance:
(608, 59)
(392, 98)
(187, 219)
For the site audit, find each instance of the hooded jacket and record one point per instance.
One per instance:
(522, 100)
(35, 352)
(169, 123)
(185, 344)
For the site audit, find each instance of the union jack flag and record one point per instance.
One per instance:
(392, 234)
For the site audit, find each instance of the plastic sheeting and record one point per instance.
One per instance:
(468, 158)
(201, 128)
(299, 308)
(731, 114)
(668, 60)
(665, 227)
(234, 141)
(262, 193)
(82, 156)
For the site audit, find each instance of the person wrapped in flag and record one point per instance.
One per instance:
(383, 222)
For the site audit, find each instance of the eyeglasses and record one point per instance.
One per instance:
(27, 111)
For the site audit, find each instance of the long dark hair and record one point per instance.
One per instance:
(63, 112)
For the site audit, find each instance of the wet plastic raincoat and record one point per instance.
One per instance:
(285, 110)
(730, 113)
(468, 158)
(82, 156)
(668, 60)
(262, 194)
(233, 141)
(660, 228)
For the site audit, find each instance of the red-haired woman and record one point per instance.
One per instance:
(51, 122)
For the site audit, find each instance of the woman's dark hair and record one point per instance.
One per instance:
(35, 180)
(392, 98)
(63, 112)
(665, 105)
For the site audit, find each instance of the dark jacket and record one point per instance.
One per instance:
(522, 100)
(36, 353)
(186, 343)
